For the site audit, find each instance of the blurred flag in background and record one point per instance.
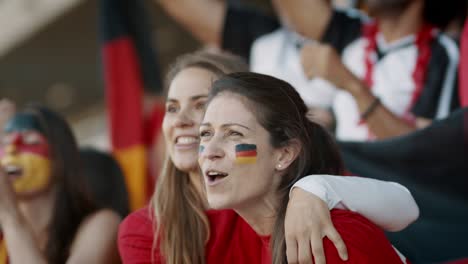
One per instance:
(129, 69)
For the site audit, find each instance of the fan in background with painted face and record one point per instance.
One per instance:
(25, 156)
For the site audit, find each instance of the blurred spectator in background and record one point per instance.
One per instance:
(7, 110)
(46, 215)
(244, 31)
(105, 180)
(409, 66)
(398, 72)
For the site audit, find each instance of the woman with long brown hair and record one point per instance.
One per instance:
(46, 215)
(175, 227)
(256, 142)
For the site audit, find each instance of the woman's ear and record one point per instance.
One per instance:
(287, 154)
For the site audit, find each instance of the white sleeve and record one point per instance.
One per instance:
(388, 204)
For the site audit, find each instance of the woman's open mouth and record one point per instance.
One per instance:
(213, 177)
(13, 171)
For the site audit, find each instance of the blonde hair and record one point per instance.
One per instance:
(178, 208)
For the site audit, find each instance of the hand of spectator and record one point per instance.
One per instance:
(307, 222)
(322, 61)
(7, 110)
(7, 197)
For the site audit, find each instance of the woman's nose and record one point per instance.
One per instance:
(10, 149)
(13, 143)
(212, 150)
(184, 119)
(16, 138)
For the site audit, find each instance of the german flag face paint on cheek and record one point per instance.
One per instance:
(201, 148)
(246, 153)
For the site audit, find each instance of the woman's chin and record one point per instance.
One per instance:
(186, 166)
(185, 162)
(218, 204)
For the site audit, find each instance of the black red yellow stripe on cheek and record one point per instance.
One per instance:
(38, 149)
(17, 144)
(246, 153)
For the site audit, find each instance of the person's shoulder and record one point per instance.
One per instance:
(103, 219)
(344, 219)
(273, 37)
(344, 27)
(87, 247)
(366, 243)
(350, 15)
(444, 47)
(265, 49)
(139, 222)
(135, 239)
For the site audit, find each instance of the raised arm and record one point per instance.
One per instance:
(203, 18)
(22, 245)
(388, 204)
(7, 110)
(310, 18)
(95, 241)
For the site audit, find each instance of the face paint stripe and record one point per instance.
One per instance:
(246, 160)
(245, 147)
(246, 153)
(35, 175)
(41, 150)
(22, 122)
(249, 153)
(201, 148)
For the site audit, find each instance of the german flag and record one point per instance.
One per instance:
(129, 67)
(246, 153)
(432, 164)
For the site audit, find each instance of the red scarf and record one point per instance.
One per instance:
(423, 43)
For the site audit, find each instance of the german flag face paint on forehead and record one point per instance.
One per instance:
(23, 122)
(246, 153)
(25, 133)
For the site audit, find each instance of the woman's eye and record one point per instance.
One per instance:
(200, 105)
(171, 109)
(6, 140)
(205, 133)
(235, 133)
(31, 139)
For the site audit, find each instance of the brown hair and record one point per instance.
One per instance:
(181, 226)
(281, 111)
(72, 201)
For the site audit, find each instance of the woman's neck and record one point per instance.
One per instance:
(38, 213)
(197, 181)
(397, 26)
(261, 214)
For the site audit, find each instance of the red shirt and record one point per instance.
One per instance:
(232, 240)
